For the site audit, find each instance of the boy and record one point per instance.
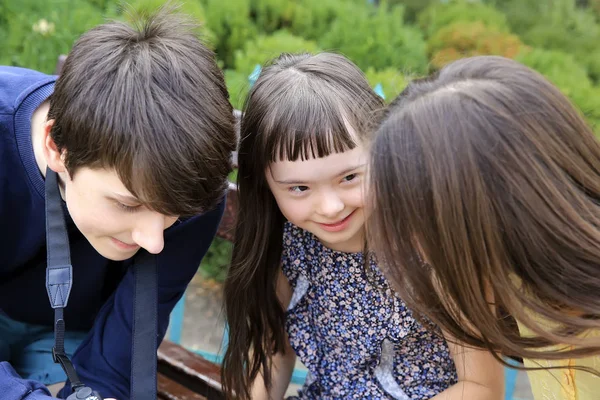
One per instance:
(139, 130)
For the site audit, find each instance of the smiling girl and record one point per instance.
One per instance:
(300, 282)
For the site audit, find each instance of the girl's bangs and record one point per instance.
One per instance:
(305, 127)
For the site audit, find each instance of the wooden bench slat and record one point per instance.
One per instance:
(171, 390)
(190, 370)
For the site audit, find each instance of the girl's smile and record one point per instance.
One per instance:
(339, 225)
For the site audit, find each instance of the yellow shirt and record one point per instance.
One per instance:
(566, 383)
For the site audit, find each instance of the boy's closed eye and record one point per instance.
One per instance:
(127, 208)
(125, 203)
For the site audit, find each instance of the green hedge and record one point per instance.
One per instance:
(441, 14)
(391, 43)
(558, 25)
(412, 8)
(595, 7)
(272, 15)
(265, 48)
(230, 21)
(466, 39)
(312, 19)
(34, 33)
(238, 86)
(215, 262)
(570, 77)
(577, 34)
(378, 38)
(391, 80)
(522, 15)
(124, 8)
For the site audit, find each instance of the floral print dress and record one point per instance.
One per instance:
(355, 336)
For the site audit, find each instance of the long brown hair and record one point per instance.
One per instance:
(490, 175)
(300, 107)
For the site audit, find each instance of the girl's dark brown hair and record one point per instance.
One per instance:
(489, 174)
(300, 107)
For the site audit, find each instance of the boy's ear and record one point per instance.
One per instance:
(54, 158)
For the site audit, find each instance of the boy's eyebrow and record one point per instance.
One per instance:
(126, 198)
(296, 182)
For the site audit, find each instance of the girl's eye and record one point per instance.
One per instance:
(127, 208)
(350, 177)
(298, 189)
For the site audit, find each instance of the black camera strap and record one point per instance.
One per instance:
(59, 280)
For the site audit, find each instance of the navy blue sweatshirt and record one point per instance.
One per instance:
(101, 299)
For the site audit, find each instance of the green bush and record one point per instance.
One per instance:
(104, 5)
(272, 15)
(570, 77)
(144, 7)
(412, 8)
(265, 48)
(377, 38)
(311, 19)
(577, 33)
(588, 101)
(34, 33)
(230, 21)
(233, 176)
(522, 15)
(238, 86)
(215, 262)
(592, 62)
(558, 25)
(439, 15)
(595, 6)
(392, 81)
(559, 67)
(467, 39)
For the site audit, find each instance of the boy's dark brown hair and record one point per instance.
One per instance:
(149, 101)
(489, 174)
(302, 106)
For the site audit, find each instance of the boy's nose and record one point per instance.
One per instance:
(149, 234)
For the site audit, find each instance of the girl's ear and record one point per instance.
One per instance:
(54, 157)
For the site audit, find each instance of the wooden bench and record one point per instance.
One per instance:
(183, 375)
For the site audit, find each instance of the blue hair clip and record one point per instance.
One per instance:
(254, 75)
(379, 90)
